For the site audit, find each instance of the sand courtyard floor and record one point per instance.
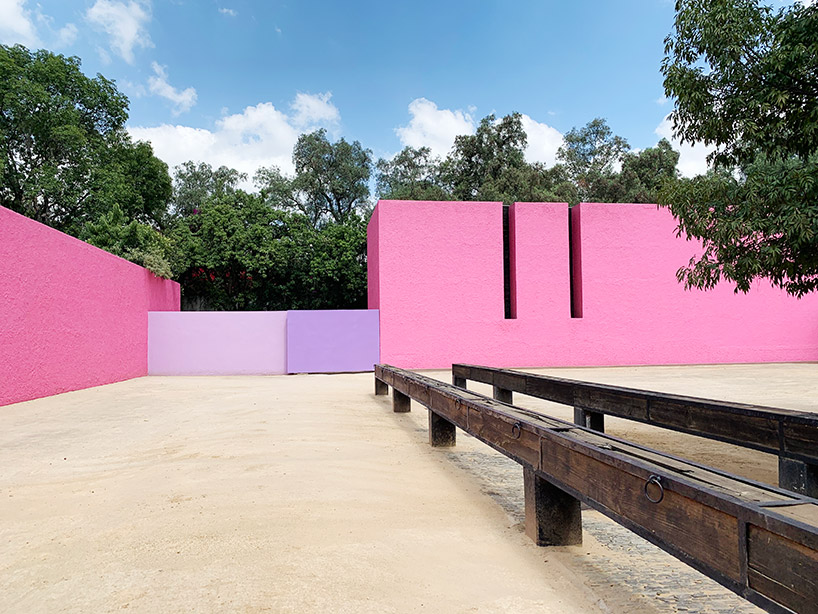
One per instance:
(307, 494)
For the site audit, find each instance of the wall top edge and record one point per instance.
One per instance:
(79, 242)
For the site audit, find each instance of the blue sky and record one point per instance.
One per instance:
(235, 81)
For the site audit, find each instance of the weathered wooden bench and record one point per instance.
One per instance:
(790, 435)
(757, 540)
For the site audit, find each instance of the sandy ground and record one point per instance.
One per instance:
(307, 494)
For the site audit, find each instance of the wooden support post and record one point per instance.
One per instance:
(552, 516)
(460, 382)
(401, 403)
(381, 387)
(501, 394)
(590, 419)
(798, 476)
(442, 433)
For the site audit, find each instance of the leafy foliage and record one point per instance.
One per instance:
(68, 162)
(331, 179)
(413, 174)
(746, 81)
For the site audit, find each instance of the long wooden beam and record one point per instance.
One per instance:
(757, 540)
(790, 435)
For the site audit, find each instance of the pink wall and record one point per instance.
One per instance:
(71, 315)
(217, 343)
(438, 270)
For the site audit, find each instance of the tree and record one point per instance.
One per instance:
(413, 174)
(331, 179)
(193, 184)
(644, 173)
(66, 158)
(590, 155)
(140, 243)
(745, 80)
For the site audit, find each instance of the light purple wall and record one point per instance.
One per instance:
(71, 315)
(438, 271)
(332, 341)
(217, 343)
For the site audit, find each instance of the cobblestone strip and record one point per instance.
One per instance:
(627, 569)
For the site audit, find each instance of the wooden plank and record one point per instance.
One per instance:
(707, 421)
(699, 531)
(448, 407)
(554, 390)
(611, 402)
(741, 424)
(706, 477)
(783, 570)
(799, 439)
(552, 516)
(442, 433)
(506, 434)
(805, 512)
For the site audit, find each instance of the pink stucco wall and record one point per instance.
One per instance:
(438, 270)
(217, 343)
(71, 315)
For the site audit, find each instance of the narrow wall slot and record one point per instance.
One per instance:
(510, 305)
(575, 261)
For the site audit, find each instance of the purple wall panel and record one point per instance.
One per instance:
(217, 343)
(332, 341)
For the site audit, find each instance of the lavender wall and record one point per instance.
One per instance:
(262, 342)
(217, 343)
(332, 341)
(71, 315)
(437, 267)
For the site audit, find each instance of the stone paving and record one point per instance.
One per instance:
(644, 579)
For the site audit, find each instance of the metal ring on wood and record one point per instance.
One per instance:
(657, 480)
(516, 430)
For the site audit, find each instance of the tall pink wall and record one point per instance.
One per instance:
(71, 315)
(438, 271)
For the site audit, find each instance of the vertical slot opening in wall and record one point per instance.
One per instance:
(575, 261)
(510, 305)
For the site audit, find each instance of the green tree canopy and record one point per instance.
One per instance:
(195, 183)
(413, 174)
(591, 155)
(66, 158)
(745, 80)
(331, 180)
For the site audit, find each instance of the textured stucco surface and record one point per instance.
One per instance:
(217, 343)
(439, 274)
(332, 341)
(71, 315)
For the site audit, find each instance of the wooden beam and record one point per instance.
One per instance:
(401, 402)
(791, 435)
(442, 433)
(552, 516)
(757, 540)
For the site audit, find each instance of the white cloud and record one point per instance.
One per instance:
(16, 26)
(124, 22)
(543, 141)
(259, 136)
(66, 36)
(434, 128)
(662, 100)
(692, 156)
(158, 84)
(228, 12)
(313, 109)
